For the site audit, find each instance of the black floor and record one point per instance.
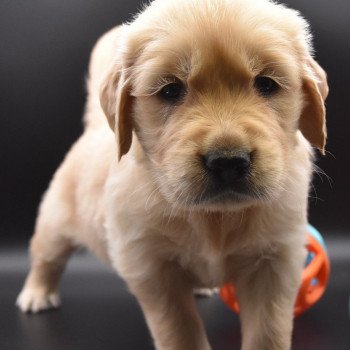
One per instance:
(98, 313)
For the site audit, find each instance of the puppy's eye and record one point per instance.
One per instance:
(265, 86)
(172, 92)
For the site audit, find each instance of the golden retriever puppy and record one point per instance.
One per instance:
(214, 106)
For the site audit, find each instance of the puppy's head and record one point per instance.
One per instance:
(216, 92)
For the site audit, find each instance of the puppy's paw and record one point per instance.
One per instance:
(206, 292)
(36, 300)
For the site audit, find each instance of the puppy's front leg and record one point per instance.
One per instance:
(266, 289)
(166, 298)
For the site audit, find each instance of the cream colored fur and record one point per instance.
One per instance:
(140, 213)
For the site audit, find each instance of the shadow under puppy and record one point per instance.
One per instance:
(213, 105)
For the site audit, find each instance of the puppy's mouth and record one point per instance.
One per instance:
(227, 193)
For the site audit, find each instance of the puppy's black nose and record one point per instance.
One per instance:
(227, 166)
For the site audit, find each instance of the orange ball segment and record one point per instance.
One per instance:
(314, 277)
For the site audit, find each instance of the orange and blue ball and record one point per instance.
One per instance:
(315, 276)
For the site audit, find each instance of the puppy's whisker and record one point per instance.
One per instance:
(320, 172)
(242, 217)
(316, 197)
(331, 154)
(139, 188)
(149, 198)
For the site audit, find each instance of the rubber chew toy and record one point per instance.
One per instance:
(314, 278)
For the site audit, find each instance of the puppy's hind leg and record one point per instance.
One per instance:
(49, 250)
(48, 258)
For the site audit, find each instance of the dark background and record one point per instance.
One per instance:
(44, 52)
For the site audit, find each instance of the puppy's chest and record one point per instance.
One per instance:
(207, 270)
(207, 249)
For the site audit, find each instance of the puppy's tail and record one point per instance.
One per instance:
(100, 60)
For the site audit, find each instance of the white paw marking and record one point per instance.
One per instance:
(36, 300)
(206, 292)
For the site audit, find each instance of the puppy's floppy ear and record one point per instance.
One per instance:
(116, 103)
(312, 122)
